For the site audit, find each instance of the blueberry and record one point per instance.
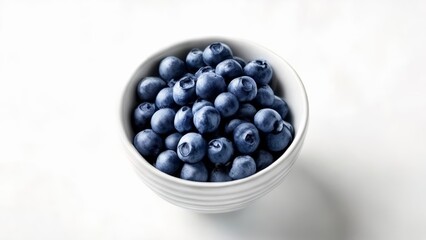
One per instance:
(280, 106)
(227, 104)
(171, 67)
(218, 174)
(246, 138)
(184, 90)
(242, 166)
(194, 172)
(162, 121)
(259, 70)
(199, 103)
(265, 96)
(194, 59)
(149, 87)
(240, 61)
(231, 125)
(209, 85)
(246, 111)
(148, 143)
(220, 150)
(184, 119)
(191, 148)
(203, 70)
(168, 162)
(244, 88)
(164, 98)
(267, 120)
(172, 141)
(142, 114)
(263, 159)
(207, 119)
(278, 141)
(289, 127)
(229, 69)
(216, 53)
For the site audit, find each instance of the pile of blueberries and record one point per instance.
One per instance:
(211, 118)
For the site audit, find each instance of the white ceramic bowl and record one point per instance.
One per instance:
(210, 197)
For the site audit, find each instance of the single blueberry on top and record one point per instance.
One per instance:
(184, 119)
(246, 138)
(216, 53)
(209, 85)
(268, 120)
(162, 121)
(171, 67)
(172, 141)
(240, 61)
(259, 70)
(203, 70)
(191, 148)
(242, 167)
(227, 104)
(142, 114)
(194, 59)
(199, 103)
(244, 88)
(229, 69)
(218, 174)
(278, 141)
(265, 96)
(148, 143)
(184, 90)
(207, 119)
(280, 106)
(168, 162)
(164, 98)
(194, 172)
(220, 150)
(149, 87)
(263, 159)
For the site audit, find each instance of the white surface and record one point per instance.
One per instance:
(64, 175)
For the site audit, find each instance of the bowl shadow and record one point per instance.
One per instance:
(301, 208)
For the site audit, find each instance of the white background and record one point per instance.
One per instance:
(64, 175)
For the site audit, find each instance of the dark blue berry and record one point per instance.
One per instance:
(148, 143)
(246, 138)
(242, 167)
(216, 53)
(209, 85)
(184, 119)
(168, 162)
(162, 121)
(192, 148)
(244, 88)
(259, 70)
(227, 104)
(149, 87)
(171, 67)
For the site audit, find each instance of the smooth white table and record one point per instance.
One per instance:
(64, 175)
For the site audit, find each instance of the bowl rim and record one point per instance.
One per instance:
(298, 139)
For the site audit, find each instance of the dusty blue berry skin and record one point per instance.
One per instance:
(204, 70)
(267, 120)
(171, 67)
(172, 83)
(289, 127)
(168, 162)
(246, 138)
(192, 148)
(278, 141)
(200, 103)
(194, 172)
(194, 59)
(246, 111)
(172, 141)
(229, 69)
(164, 98)
(242, 167)
(260, 71)
(209, 85)
(207, 119)
(263, 159)
(240, 61)
(227, 104)
(149, 87)
(265, 96)
(219, 175)
(162, 121)
(280, 106)
(184, 91)
(148, 143)
(216, 53)
(231, 125)
(220, 150)
(184, 119)
(244, 88)
(142, 114)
